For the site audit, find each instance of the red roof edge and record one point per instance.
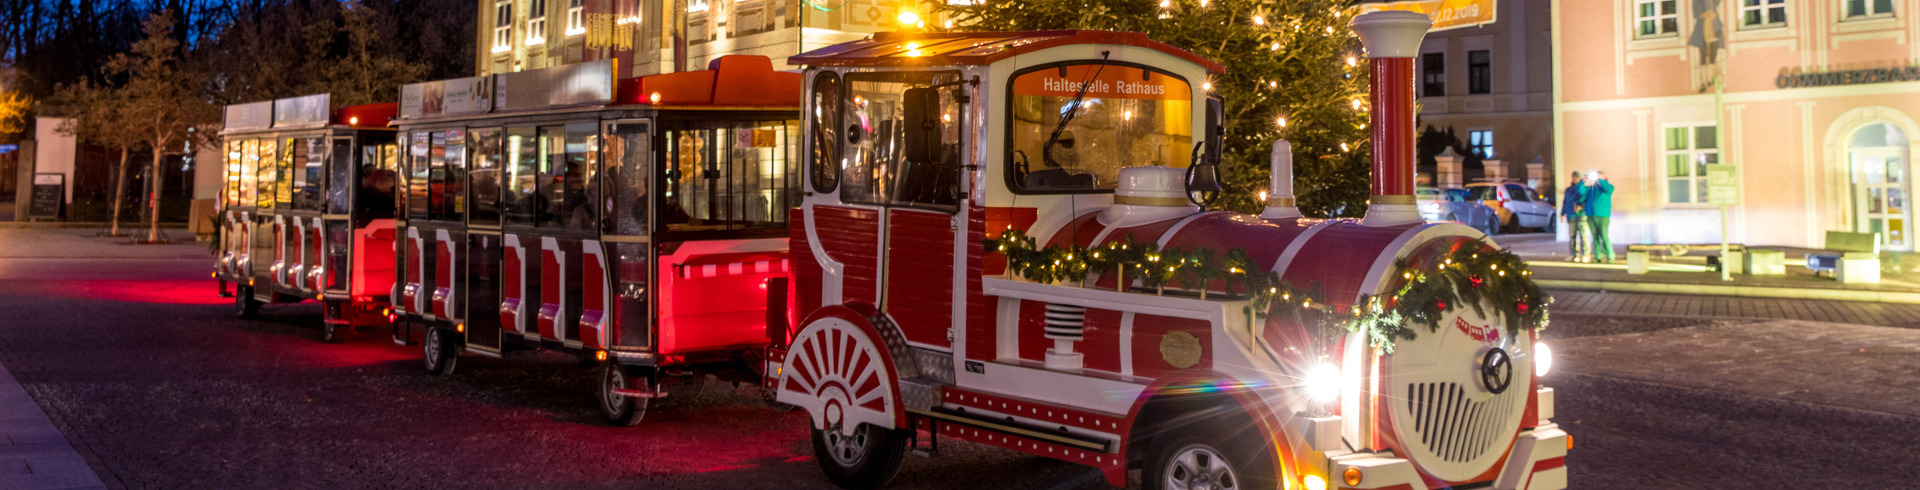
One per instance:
(1014, 44)
(367, 116)
(735, 81)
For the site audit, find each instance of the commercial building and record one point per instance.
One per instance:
(1493, 84)
(648, 37)
(1819, 104)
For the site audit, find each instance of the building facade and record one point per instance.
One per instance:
(1819, 103)
(648, 37)
(1493, 85)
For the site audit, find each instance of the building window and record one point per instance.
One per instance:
(1657, 18)
(1867, 9)
(1433, 75)
(1757, 14)
(1480, 72)
(1689, 149)
(502, 27)
(537, 23)
(576, 21)
(1481, 143)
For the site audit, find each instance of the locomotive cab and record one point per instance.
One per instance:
(1006, 242)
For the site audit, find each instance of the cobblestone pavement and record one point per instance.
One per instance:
(1640, 304)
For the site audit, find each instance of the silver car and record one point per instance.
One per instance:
(1458, 206)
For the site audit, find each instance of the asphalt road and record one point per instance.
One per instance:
(157, 385)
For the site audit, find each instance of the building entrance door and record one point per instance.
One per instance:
(1882, 185)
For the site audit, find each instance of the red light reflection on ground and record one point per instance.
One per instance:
(177, 292)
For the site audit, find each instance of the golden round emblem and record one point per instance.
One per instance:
(1180, 349)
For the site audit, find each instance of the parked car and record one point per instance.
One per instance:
(1517, 206)
(1456, 205)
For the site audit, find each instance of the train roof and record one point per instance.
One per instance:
(974, 48)
(304, 112)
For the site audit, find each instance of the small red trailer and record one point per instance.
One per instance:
(307, 209)
(1006, 242)
(638, 223)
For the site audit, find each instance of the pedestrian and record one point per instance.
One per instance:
(1599, 206)
(1573, 204)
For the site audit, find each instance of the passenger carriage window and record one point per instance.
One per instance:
(522, 175)
(1128, 117)
(308, 197)
(378, 196)
(297, 153)
(249, 171)
(548, 202)
(454, 183)
(731, 176)
(483, 170)
(874, 166)
(438, 203)
(628, 158)
(339, 176)
(231, 192)
(265, 164)
(417, 173)
(826, 132)
(580, 178)
(283, 175)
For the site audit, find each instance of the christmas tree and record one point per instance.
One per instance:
(1294, 71)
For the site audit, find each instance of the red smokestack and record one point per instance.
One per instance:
(1392, 38)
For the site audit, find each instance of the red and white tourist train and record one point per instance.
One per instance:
(639, 223)
(307, 208)
(923, 148)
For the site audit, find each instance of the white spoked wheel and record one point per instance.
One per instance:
(838, 371)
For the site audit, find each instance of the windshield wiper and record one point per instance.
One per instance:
(1073, 108)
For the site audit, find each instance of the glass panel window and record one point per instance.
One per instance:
(339, 176)
(1433, 75)
(1479, 72)
(629, 157)
(1481, 143)
(1688, 151)
(419, 176)
(825, 159)
(283, 174)
(1867, 9)
(1656, 18)
(537, 23)
(878, 169)
(579, 180)
(484, 172)
(309, 167)
(547, 198)
(522, 175)
(1129, 117)
(453, 179)
(231, 192)
(378, 196)
(576, 24)
(732, 175)
(502, 27)
(1757, 14)
(249, 172)
(265, 164)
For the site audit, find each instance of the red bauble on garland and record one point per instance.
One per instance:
(1520, 307)
(1441, 304)
(1475, 280)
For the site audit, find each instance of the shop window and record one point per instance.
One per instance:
(1688, 149)
(502, 27)
(1656, 18)
(483, 171)
(1481, 143)
(576, 22)
(1480, 72)
(1867, 9)
(1761, 14)
(733, 175)
(825, 160)
(1137, 117)
(1433, 75)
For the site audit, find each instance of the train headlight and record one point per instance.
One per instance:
(1314, 482)
(1323, 383)
(1542, 359)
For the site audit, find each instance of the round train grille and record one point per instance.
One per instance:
(1452, 417)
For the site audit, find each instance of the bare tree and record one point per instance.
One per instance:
(96, 114)
(163, 103)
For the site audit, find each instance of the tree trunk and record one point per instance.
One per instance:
(153, 230)
(119, 193)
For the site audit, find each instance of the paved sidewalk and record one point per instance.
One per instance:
(1698, 306)
(1852, 366)
(33, 454)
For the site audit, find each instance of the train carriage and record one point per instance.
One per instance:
(638, 223)
(307, 208)
(923, 148)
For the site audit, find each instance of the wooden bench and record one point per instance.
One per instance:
(1857, 260)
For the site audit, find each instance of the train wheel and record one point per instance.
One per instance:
(244, 304)
(441, 350)
(1209, 459)
(621, 411)
(867, 458)
(329, 334)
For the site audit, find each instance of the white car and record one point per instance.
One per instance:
(1457, 206)
(1518, 207)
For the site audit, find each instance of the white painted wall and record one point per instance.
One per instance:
(53, 151)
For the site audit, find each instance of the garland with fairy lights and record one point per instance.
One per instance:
(1475, 275)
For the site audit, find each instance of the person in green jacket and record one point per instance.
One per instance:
(1599, 208)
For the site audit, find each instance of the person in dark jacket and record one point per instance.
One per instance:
(1599, 211)
(1573, 204)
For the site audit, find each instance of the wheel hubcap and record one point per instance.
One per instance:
(433, 350)
(615, 380)
(1200, 468)
(847, 450)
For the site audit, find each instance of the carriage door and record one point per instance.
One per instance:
(909, 163)
(620, 311)
(482, 262)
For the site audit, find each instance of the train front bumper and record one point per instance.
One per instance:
(1537, 461)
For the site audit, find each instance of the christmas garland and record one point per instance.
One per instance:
(1473, 275)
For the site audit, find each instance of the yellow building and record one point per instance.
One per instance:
(648, 37)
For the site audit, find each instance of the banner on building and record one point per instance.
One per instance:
(446, 97)
(1446, 14)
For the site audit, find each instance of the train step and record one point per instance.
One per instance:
(1016, 429)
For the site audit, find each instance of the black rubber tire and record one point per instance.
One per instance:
(243, 303)
(1512, 225)
(621, 411)
(871, 460)
(1246, 456)
(441, 352)
(1492, 228)
(330, 334)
